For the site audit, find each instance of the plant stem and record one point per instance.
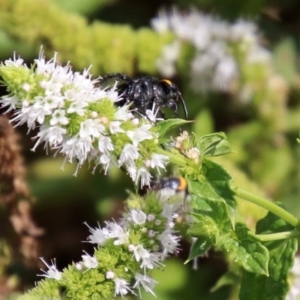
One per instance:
(268, 205)
(174, 158)
(277, 236)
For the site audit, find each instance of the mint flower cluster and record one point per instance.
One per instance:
(223, 51)
(79, 119)
(125, 253)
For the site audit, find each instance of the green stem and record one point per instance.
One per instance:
(277, 236)
(268, 205)
(174, 158)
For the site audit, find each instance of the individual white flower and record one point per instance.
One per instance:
(10, 102)
(91, 128)
(52, 136)
(143, 176)
(152, 261)
(58, 117)
(89, 262)
(122, 113)
(152, 113)
(140, 134)
(27, 114)
(43, 66)
(117, 232)
(145, 282)
(141, 253)
(77, 107)
(122, 287)
(52, 271)
(16, 62)
(77, 148)
(169, 241)
(106, 161)
(158, 161)
(129, 154)
(168, 210)
(115, 127)
(105, 144)
(132, 171)
(113, 94)
(98, 235)
(138, 216)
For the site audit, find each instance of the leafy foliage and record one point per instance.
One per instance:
(282, 253)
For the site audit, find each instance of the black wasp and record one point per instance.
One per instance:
(145, 92)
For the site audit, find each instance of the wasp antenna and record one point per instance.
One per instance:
(184, 106)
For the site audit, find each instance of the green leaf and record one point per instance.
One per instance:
(199, 248)
(212, 195)
(229, 278)
(214, 144)
(276, 286)
(166, 125)
(205, 227)
(206, 231)
(282, 253)
(219, 180)
(246, 250)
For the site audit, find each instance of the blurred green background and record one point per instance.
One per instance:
(116, 36)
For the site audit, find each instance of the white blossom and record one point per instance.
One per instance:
(15, 62)
(138, 216)
(52, 271)
(152, 114)
(122, 113)
(91, 128)
(10, 102)
(115, 127)
(169, 241)
(65, 108)
(98, 235)
(143, 176)
(145, 282)
(141, 253)
(140, 134)
(121, 287)
(129, 154)
(215, 65)
(105, 144)
(58, 117)
(117, 232)
(158, 161)
(89, 262)
(152, 261)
